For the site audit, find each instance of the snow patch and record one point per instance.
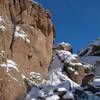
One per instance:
(35, 75)
(20, 33)
(2, 28)
(96, 82)
(63, 43)
(10, 64)
(61, 89)
(53, 97)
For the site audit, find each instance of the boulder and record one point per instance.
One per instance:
(64, 46)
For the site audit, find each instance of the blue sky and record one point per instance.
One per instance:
(76, 21)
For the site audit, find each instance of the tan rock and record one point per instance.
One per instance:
(34, 51)
(64, 46)
(12, 85)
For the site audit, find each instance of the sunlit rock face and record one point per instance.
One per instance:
(26, 37)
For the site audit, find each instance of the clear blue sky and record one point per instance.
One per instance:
(76, 21)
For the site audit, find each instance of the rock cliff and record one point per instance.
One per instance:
(26, 37)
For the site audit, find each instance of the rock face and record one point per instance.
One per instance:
(12, 86)
(72, 66)
(26, 37)
(92, 50)
(64, 46)
(91, 55)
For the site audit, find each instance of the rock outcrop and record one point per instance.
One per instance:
(91, 55)
(92, 50)
(71, 62)
(26, 37)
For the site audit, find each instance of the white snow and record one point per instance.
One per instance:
(2, 28)
(35, 75)
(53, 97)
(2, 52)
(92, 60)
(23, 76)
(68, 96)
(71, 69)
(20, 33)
(76, 73)
(10, 64)
(96, 82)
(91, 47)
(1, 20)
(63, 43)
(57, 80)
(61, 89)
(33, 1)
(66, 56)
(56, 64)
(33, 99)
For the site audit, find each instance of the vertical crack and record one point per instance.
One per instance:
(13, 19)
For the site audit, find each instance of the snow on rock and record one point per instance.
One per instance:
(56, 64)
(20, 33)
(64, 46)
(34, 78)
(96, 82)
(92, 50)
(56, 81)
(2, 53)
(35, 75)
(63, 43)
(2, 27)
(56, 75)
(68, 96)
(33, 93)
(94, 62)
(61, 89)
(92, 96)
(1, 20)
(66, 56)
(53, 97)
(10, 64)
